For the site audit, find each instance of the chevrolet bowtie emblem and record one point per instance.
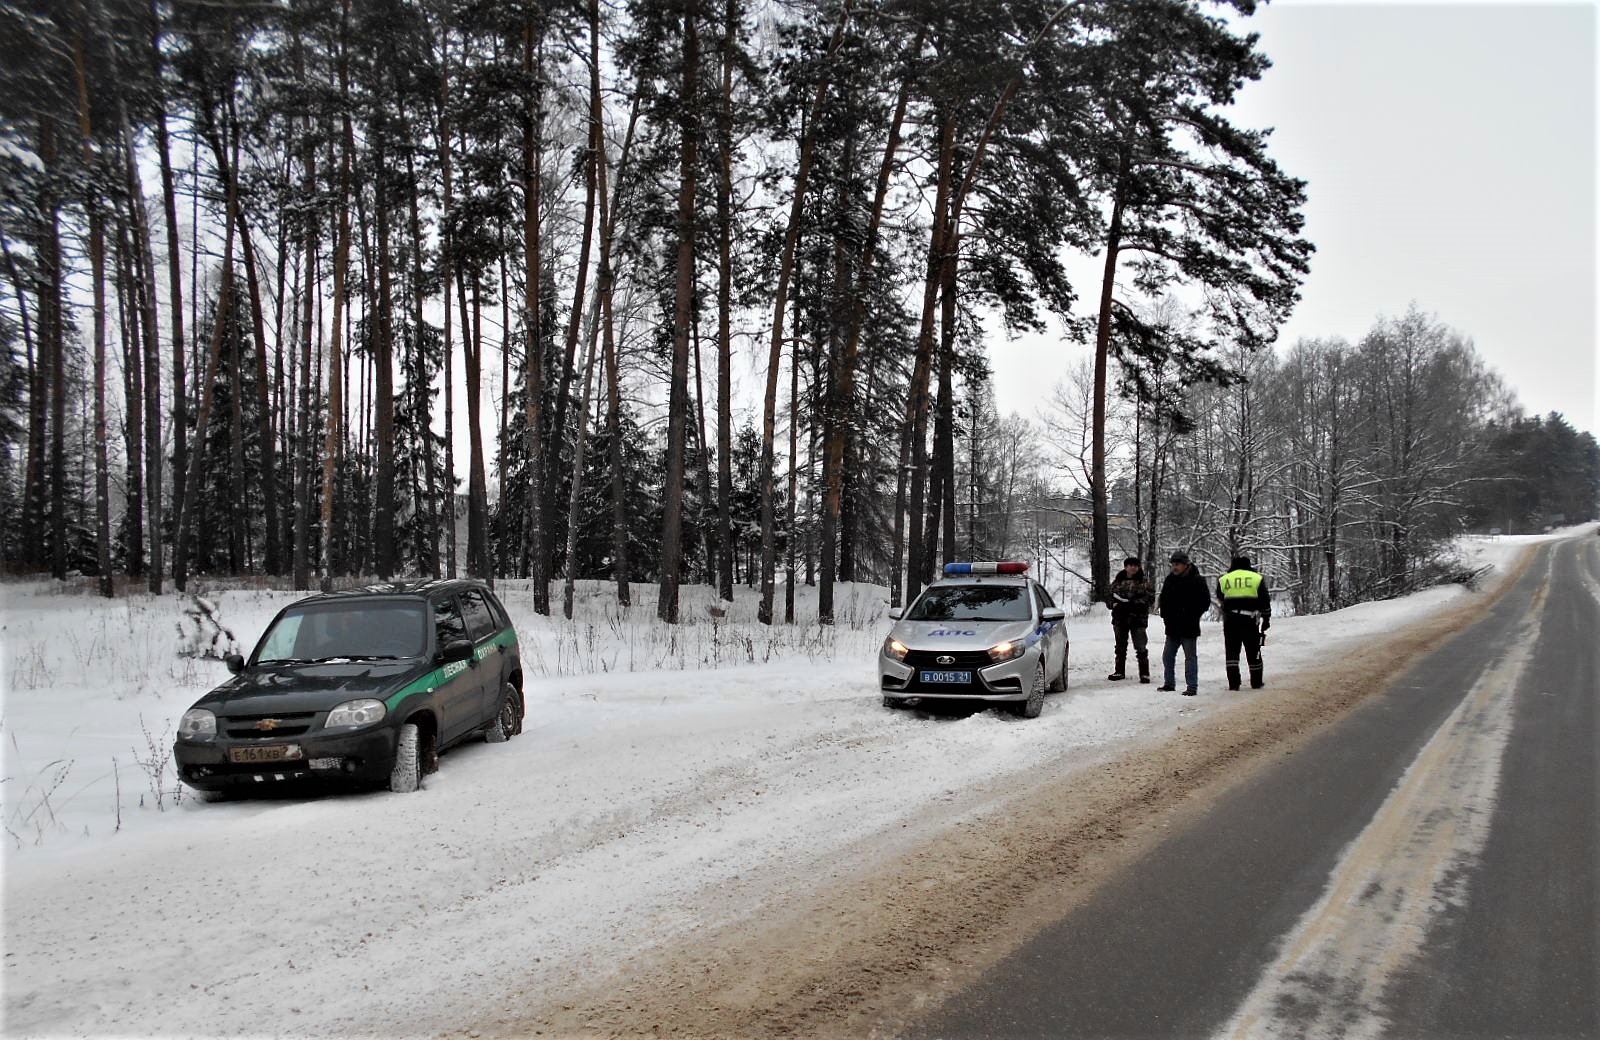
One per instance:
(267, 724)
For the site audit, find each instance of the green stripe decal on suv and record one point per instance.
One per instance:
(506, 637)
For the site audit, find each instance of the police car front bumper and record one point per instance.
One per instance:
(1003, 682)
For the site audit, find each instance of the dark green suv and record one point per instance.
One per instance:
(365, 687)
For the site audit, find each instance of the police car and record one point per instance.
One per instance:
(984, 632)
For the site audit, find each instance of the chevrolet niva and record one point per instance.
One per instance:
(364, 687)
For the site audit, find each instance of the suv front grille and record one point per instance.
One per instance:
(246, 727)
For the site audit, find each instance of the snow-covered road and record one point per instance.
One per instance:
(637, 809)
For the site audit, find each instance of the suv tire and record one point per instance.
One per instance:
(406, 776)
(506, 718)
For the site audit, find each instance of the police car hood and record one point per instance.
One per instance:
(959, 635)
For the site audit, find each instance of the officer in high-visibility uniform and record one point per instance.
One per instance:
(1246, 616)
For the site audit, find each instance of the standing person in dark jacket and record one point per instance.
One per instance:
(1245, 605)
(1184, 601)
(1130, 599)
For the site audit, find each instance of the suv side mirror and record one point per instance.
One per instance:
(235, 662)
(455, 650)
(1052, 614)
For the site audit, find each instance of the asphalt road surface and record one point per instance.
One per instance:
(1428, 866)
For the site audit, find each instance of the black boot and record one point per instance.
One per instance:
(1257, 680)
(1116, 675)
(1233, 677)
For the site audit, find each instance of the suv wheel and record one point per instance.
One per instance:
(507, 719)
(1033, 707)
(406, 776)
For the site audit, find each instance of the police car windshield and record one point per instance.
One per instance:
(381, 631)
(972, 603)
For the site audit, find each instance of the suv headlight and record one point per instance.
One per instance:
(1008, 650)
(356, 713)
(197, 724)
(895, 649)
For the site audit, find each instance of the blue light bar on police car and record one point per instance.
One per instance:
(1009, 567)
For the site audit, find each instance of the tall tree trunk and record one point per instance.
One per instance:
(947, 417)
(725, 305)
(311, 290)
(169, 204)
(477, 480)
(791, 236)
(677, 400)
(230, 168)
(558, 427)
(341, 272)
(238, 483)
(384, 550)
(55, 351)
(703, 453)
(597, 156)
(619, 511)
(132, 399)
(921, 372)
(794, 455)
(446, 267)
(304, 452)
(197, 457)
(97, 274)
(1100, 540)
(33, 473)
(427, 505)
(533, 366)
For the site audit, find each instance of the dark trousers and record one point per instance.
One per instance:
(1239, 630)
(1128, 629)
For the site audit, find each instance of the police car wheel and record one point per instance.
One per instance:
(1059, 683)
(1033, 707)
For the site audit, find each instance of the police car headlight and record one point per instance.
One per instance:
(197, 724)
(895, 649)
(1006, 651)
(355, 713)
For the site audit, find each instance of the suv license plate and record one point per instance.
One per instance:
(267, 753)
(947, 677)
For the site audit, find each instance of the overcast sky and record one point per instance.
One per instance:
(1449, 151)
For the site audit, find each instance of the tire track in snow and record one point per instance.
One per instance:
(1411, 861)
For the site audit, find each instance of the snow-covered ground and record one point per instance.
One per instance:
(666, 782)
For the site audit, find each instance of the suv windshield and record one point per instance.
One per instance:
(329, 631)
(972, 603)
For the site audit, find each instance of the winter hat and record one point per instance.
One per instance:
(1180, 557)
(1134, 560)
(1240, 563)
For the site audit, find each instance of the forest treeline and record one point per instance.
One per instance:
(255, 254)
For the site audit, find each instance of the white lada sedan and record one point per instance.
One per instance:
(984, 632)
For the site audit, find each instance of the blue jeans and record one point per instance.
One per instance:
(1191, 660)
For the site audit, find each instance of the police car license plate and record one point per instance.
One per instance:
(947, 677)
(268, 753)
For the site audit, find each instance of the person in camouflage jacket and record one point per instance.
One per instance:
(1129, 600)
